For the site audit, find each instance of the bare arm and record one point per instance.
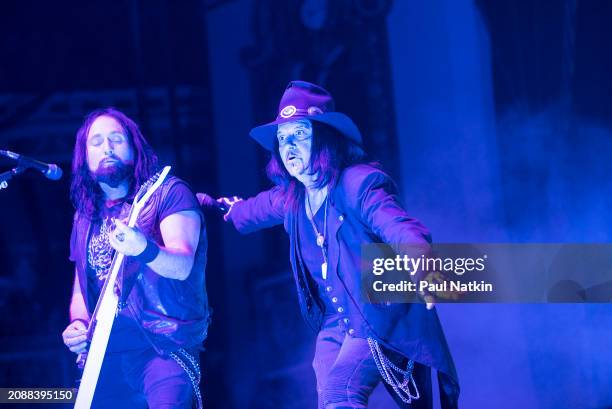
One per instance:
(181, 234)
(78, 309)
(75, 334)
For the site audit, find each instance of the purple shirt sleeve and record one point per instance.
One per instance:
(178, 198)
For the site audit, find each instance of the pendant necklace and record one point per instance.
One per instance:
(321, 242)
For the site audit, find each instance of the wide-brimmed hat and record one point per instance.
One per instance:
(304, 100)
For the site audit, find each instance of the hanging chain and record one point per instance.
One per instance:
(194, 374)
(314, 224)
(388, 372)
(320, 238)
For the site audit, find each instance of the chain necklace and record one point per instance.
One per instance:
(321, 242)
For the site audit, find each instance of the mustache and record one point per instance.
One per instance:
(112, 156)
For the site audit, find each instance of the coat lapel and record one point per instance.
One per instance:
(335, 219)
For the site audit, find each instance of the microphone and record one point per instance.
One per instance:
(208, 202)
(50, 170)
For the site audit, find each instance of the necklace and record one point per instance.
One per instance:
(320, 237)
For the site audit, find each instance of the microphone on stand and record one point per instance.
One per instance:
(50, 170)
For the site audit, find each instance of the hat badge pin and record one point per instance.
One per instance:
(288, 111)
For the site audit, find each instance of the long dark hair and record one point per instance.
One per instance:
(85, 193)
(331, 154)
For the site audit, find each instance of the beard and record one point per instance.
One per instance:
(114, 174)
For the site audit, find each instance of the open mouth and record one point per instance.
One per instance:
(291, 156)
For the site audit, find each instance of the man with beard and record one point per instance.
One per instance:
(152, 358)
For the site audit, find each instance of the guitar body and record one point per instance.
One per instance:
(104, 314)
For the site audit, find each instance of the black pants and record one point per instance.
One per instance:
(142, 379)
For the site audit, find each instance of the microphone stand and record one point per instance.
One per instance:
(8, 175)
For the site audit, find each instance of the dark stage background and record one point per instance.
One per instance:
(495, 118)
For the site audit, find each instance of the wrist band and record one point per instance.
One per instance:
(149, 253)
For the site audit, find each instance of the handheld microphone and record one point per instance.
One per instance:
(208, 202)
(50, 170)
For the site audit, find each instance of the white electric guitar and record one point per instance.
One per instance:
(104, 314)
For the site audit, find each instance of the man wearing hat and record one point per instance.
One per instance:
(331, 201)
